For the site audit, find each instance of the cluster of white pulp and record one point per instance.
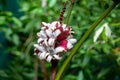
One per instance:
(53, 39)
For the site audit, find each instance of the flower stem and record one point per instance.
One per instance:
(54, 69)
(69, 11)
(81, 41)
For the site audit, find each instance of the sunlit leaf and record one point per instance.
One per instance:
(104, 30)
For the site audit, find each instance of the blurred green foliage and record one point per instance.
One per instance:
(94, 61)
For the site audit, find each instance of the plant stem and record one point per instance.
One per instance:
(44, 70)
(80, 42)
(36, 70)
(69, 11)
(54, 69)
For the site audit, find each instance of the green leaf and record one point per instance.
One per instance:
(8, 33)
(103, 36)
(70, 77)
(118, 60)
(17, 22)
(52, 3)
(2, 20)
(103, 72)
(107, 48)
(30, 75)
(32, 24)
(25, 6)
(25, 17)
(3, 74)
(80, 76)
(86, 60)
(15, 39)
